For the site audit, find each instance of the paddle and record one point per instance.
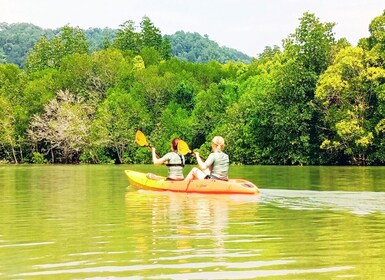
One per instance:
(183, 148)
(141, 140)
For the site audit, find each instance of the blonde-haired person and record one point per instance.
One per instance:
(216, 165)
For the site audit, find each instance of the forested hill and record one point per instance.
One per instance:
(196, 48)
(17, 39)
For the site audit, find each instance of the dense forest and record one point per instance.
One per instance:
(196, 48)
(16, 40)
(314, 100)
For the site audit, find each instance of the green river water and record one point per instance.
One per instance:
(86, 222)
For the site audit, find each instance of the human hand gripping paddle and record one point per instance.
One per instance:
(184, 149)
(141, 140)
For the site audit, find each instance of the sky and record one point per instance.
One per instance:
(245, 25)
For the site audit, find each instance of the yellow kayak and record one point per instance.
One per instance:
(213, 186)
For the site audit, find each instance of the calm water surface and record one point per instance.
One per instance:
(86, 222)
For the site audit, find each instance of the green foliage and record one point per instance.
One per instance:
(38, 158)
(115, 124)
(127, 38)
(50, 53)
(315, 101)
(3, 57)
(311, 43)
(173, 122)
(150, 56)
(12, 85)
(149, 38)
(150, 35)
(39, 89)
(7, 129)
(377, 34)
(98, 155)
(98, 38)
(347, 93)
(288, 131)
(17, 39)
(269, 53)
(75, 73)
(246, 123)
(200, 49)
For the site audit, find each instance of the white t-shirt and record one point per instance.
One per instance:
(218, 163)
(175, 165)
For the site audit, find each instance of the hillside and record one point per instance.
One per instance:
(17, 39)
(196, 48)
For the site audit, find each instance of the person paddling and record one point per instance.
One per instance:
(216, 165)
(174, 161)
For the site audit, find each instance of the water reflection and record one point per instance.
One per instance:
(190, 228)
(84, 222)
(206, 216)
(195, 236)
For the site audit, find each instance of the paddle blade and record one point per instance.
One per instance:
(183, 148)
(140, 139)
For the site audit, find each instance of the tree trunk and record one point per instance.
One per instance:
(14, 155)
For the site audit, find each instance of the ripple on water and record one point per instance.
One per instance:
(359, 203)
(200, 270)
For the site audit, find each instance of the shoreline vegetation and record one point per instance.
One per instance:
(314, 100)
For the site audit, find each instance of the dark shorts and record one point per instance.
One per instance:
(215, 177)
(170, 179)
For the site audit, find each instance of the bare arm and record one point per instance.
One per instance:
(155, 159)
(200, 162)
